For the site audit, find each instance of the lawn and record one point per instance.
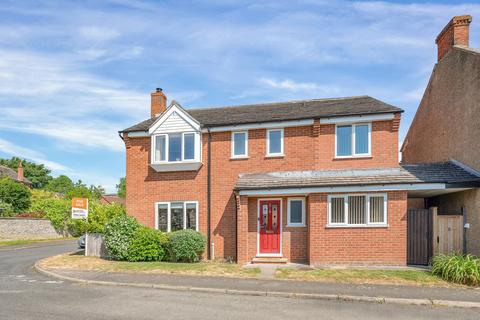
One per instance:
(28, 241)
(77, 261)
(363, 276)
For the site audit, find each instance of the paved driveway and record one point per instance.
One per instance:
(25, 294)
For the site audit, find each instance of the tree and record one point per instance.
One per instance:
(38, 174)
(62, 184)
(96, 191)
(15, 194)
(122, 188)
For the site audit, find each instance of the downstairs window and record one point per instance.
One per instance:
(177, 215)
(357, 210)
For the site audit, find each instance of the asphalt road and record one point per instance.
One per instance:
(25, 294)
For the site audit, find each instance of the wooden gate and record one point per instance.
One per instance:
(448, 234)
(419, 236)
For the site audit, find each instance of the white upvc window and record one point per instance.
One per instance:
(353, 140)
(357, 210)
(296, 212)
(176, 147)
(240, 144)
(274, 142)
(176, 215)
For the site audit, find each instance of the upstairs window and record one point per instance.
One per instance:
(353, 140)
(357, 210)
(240, 144)
(175, 147)
(275, 142)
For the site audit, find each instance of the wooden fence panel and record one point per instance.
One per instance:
(449, 234)
(419, 236)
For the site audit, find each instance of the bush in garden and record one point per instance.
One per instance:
(119, 234)
(100, 214)
(54, 209)
(147, 245)
(463, 269)
(6, 209)
(15, 194)
(186, 246)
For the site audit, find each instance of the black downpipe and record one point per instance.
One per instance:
(209, 187)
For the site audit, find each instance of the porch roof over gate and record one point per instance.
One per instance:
(448, 174)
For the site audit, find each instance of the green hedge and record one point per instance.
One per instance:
(457, 268)
(119, 233)
(186, 246)
(147, 245)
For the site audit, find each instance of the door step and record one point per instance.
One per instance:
(272, 260)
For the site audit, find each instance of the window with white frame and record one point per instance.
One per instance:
(177, 215)
(240, 144)
(353, 140)
(176, 147)
(296, 212)
(357, 210)
(275, 142)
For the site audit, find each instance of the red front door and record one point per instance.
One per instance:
(269, 219)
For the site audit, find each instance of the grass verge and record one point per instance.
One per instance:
(28, 241)
(77, 261)
(364, 276)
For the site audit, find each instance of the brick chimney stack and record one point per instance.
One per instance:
(20, 176)
(455, 33)
(159, 102)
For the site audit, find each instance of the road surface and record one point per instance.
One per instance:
(25, 294)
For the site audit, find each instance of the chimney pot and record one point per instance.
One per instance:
(20, 176)
(159, 102)
(455, 33)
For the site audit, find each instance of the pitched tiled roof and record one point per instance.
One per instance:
(12, 174)
(281, 111)
(444, 172)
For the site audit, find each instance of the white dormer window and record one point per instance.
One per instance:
(176, 142)
(175, 147)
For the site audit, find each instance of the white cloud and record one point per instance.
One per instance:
(293, 86)
(14, 150)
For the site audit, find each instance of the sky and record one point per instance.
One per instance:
(74, 73)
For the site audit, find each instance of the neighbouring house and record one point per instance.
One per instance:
(112, 198)
(16, 176)
(446, 126)
(315, 181)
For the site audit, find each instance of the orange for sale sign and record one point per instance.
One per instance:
(79, 208)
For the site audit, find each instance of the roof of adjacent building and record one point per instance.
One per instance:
(441, 172)
(12, 174)
(112, 198)
(281, 111)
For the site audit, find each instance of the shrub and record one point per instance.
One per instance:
(147, 245)
(463, 269)
(15, 194)
(6, 209)
(100, 214)
(186, 246)
(119, 234)
(56, 210)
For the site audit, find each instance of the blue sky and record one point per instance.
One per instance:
(74, 73)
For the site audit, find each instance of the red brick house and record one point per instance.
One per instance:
(316, 181)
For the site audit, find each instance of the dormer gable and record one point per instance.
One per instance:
(174, 119)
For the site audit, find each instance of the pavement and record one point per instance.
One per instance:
(27, 294)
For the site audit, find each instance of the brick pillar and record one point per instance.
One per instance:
(317, 220)
(242, 229)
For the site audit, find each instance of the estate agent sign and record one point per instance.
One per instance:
(79, 208)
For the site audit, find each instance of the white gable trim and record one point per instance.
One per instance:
(361, 118)
(174, 108)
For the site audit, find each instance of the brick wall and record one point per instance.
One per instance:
(305, 148)
(383, 245)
